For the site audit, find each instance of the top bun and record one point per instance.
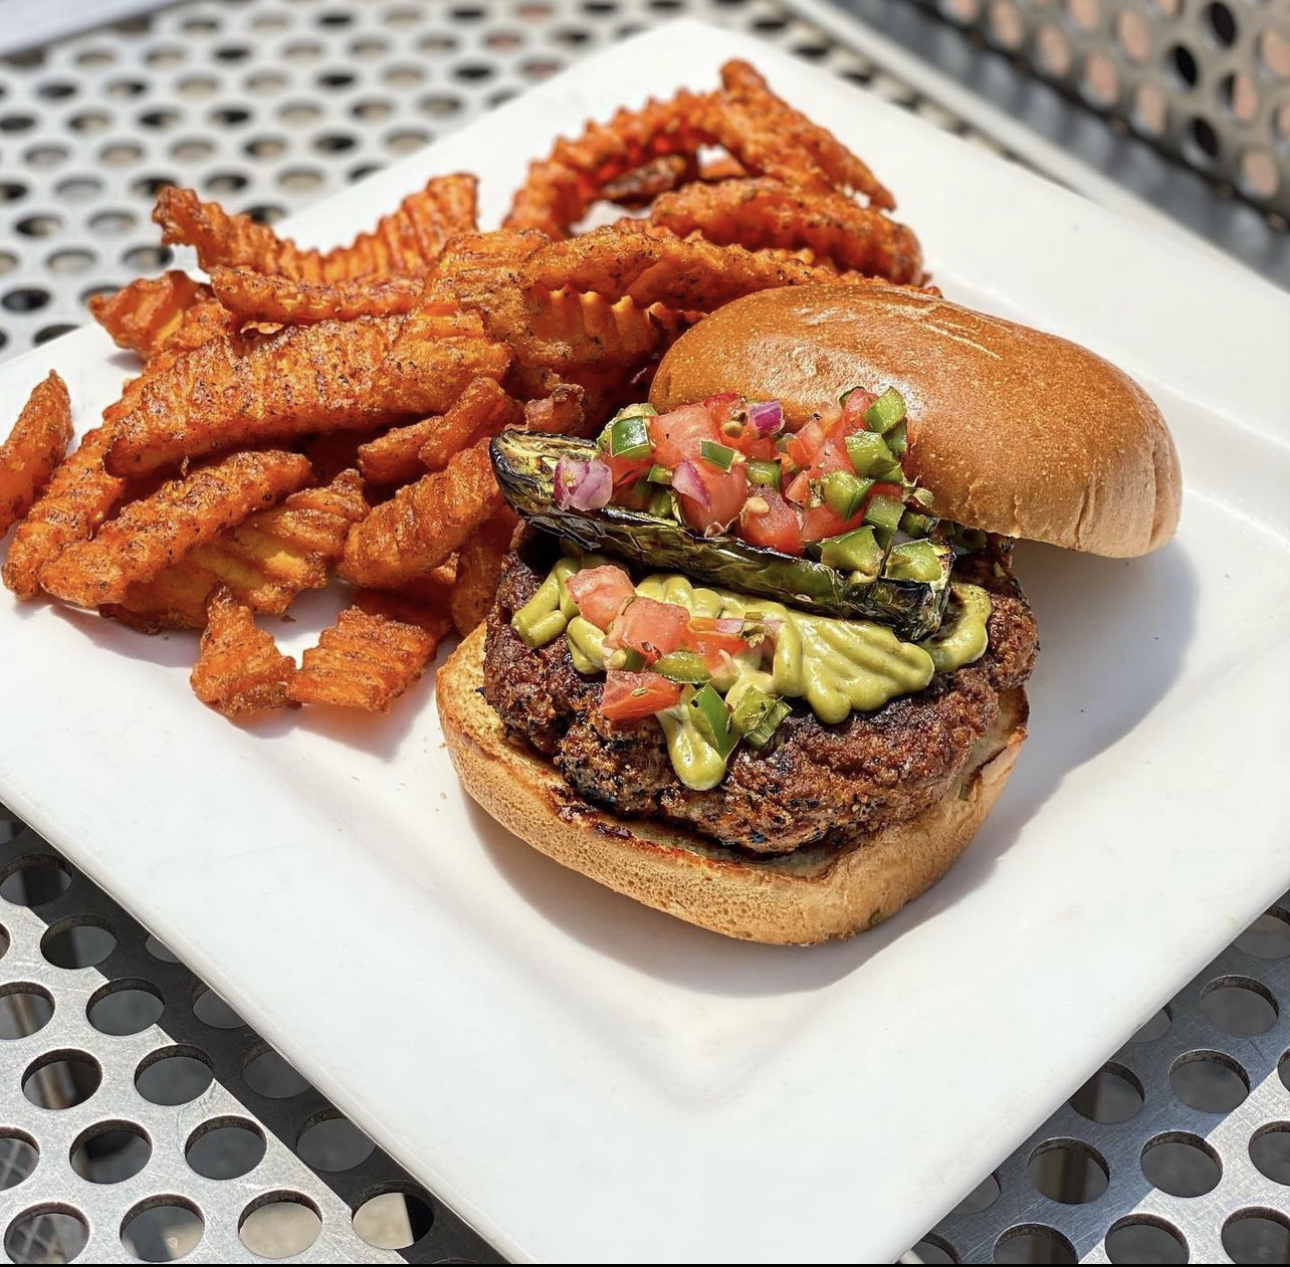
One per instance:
(1014, 431)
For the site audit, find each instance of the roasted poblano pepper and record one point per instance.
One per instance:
(525, 465)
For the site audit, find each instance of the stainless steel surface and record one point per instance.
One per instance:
(267, 105)
(1205, 200)
(139, 1111)
(1207, 80)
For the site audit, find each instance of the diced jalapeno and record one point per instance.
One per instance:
(659, 475)
(884, 515)
(626, 658)
(682, 666)
(885, 412)
(855, 551)
(766, 474)
(924, 497)
(844, 494)
(629, 437)
(917, 525)
(969, 539)
(870, 457)
(913, 561)
(758, 715)
(642, 410)
(712, 720)
(720, 455)
(897, 440)
(661, 504)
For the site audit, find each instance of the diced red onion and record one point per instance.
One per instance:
(582, 485)
(687, 481)
(767, 416)
(730, 625)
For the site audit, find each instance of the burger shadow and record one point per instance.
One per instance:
(1114, 636)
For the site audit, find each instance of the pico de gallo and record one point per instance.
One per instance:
(833, 488)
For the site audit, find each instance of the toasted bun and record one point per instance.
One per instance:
(1013, 430)
(811, 895)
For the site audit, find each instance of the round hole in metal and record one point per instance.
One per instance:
(1270, 1151)
(34, 880)
(158, 951)
(80, 941)
(1239, 1005)
(25, 1009)
(1111, 1095)
(225, 1148)
(211, 1010)
(1209, 1081)
(1033, 1243)
(162, 1229)
(21, 1154)
(1181, 1164)
(935, 1249)
(61, 1079)
(1257, 1236)
(173, 1075)
(330, 1143)
(982, 1197)
(279, 1225)
(393, 1216)
(47, 333)
(1069, 1171)
(46, 1234)
(110, 1152)
(1143, 1239)
(124, 1007)
(270, 1075)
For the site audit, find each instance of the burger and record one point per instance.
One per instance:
(758, 656)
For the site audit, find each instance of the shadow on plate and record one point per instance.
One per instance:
(1114, 637)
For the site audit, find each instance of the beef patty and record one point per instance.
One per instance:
(813, 780)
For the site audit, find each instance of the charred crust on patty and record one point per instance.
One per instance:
(815, 782)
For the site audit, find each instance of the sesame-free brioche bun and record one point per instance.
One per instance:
(811, 895)
(1014, 431)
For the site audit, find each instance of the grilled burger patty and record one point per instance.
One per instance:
(842, 780)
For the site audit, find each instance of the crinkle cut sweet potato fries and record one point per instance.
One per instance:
(303, 415)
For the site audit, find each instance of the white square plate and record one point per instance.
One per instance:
(587, 1080)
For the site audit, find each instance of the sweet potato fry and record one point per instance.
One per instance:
(265, 562)
(395, 457)
(483, 409)
(640, 187)
(77, 499)
(770, 138)
(559, 413)
(254, 389)
(147, 535)
(405, 243)
(427, 376)
(240, 671)
(252, 296)
(652, 268)
(479, 564)
(423, 523)
(140, 317)
(35, 447)
(560, 189)
(364, 661)
(762, 213)
(423, 601)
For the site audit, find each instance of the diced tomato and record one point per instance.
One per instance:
(650, 627)
(703, 636)
(600, 592)
(628, 696)
(726, 491)
(799, 488)
(887, 490)
(627, 471)
(823, 521)
(723, 406)
(853, 410)
(777, 529)
(680, 434)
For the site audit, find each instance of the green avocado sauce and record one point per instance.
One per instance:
(836, 666)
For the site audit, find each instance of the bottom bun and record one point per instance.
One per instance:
(811, 895)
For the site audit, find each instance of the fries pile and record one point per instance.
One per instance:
(304, 417)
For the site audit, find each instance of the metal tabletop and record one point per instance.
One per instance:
(140, 1119)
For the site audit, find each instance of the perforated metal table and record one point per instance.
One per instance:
(139, 1118)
